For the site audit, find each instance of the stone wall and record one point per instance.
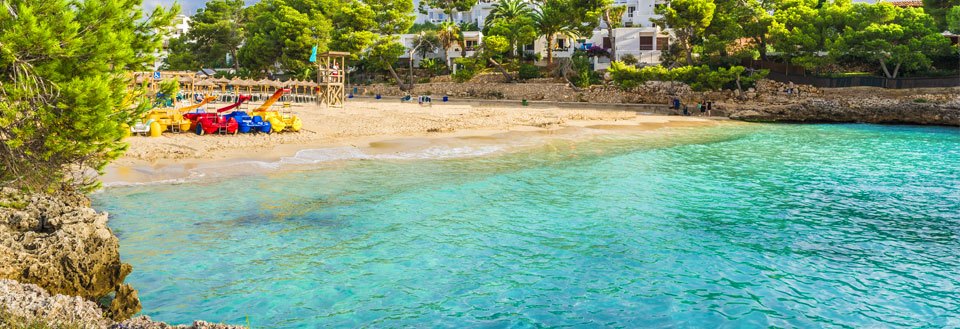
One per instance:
(489, 87)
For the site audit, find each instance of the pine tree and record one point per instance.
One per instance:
(65, 93)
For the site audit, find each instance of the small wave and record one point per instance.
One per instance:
(313, 156)
(193, 175)
(305, 158)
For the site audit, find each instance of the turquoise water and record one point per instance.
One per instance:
(735, 226)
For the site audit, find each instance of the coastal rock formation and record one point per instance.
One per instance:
(62, 245)
(865, 110)
(28, 305)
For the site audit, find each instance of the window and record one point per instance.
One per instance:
(646, 43)
(630, 11)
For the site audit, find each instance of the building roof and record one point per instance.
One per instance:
(907, 3)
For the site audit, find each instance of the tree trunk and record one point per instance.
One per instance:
(896, 70)
(550, 50)
(501, 69)
(610, 35)
(410, 73)
(236, 61)
(886, 72)
(396, 78)
(763, 48)
(446, 58)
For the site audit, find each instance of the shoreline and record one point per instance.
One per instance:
(312, 146)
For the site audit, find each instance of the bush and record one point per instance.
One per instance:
(467, 70)
(700, 78)
(629, 59)
(584, 75)
(433, 65)
(529, 71)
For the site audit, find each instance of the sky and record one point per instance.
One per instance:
(187, 7)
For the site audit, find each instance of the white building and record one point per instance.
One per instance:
(638, 36)
(181, 25)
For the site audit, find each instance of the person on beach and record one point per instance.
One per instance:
(700, 108)
(709, 109)
(685, 112)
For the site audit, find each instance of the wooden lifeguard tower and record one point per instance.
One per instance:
(331, 75)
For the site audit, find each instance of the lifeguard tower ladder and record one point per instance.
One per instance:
(331, 75)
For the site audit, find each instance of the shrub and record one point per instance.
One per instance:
(433, 66)
(467, 70)
(699, 78)
(584, 75)
(528, 71)
(629, 59)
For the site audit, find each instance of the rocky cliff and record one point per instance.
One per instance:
(62, 245)
(820, 110)
(29, 306)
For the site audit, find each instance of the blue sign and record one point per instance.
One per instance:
(156, 75)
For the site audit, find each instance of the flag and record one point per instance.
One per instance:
(313, 55)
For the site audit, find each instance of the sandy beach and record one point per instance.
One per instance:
(380, 127)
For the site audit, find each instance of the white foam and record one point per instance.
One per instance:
(309, 157)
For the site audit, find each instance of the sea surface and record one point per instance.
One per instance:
(741, 225)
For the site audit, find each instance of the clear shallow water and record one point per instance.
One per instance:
(738, 226)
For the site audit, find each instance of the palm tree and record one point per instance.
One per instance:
(551, 22)
(448, 34)
(509, 11)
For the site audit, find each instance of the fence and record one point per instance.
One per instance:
(899, 83)
(790, 73)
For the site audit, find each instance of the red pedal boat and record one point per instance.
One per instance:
(215, 123)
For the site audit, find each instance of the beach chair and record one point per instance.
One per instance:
(425, 101)
(406, 98)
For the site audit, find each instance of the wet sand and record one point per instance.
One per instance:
(375, 129)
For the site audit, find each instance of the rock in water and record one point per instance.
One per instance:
(62, 245)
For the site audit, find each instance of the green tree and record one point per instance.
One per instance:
(756, 22)
(282, 33)
(953, 20)
(939, 10)
(895, 38)
(217, 30)
(803, 30)
(551, 19)
(449, 7)
(496, 47)
(512, 19)
(64, 77)
(383, 54)
(180, 55)
(689, 19)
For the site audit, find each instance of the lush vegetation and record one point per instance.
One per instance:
(700, 78)
(280, 34)
(828, 37)
(64, 77)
